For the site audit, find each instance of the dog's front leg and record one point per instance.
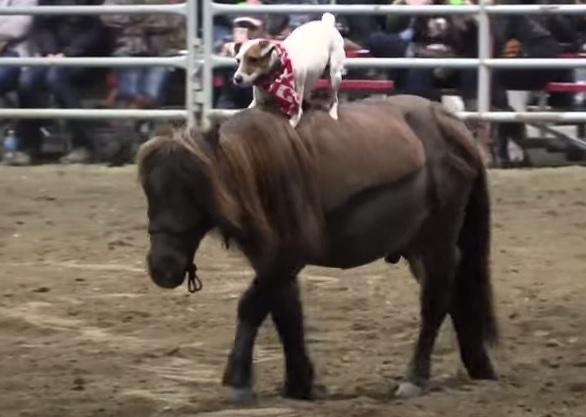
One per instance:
(296, 118)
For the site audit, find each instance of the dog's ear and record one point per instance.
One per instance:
(236, 48)
(266, 47)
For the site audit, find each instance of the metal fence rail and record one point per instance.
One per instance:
(93, 114)
(180, 8)
(189, 62)
(176, 62)
(218, 61)
(363, 9)
(494, 116)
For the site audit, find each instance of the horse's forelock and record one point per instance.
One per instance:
(149, 151)
(168, 145)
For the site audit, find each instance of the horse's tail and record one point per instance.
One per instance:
(473, 289)
(473, 299)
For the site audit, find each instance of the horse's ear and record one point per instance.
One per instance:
(266, 47)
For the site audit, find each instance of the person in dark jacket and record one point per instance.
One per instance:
(13, 37)
(13, 33)
(60, 36)
(144, 35)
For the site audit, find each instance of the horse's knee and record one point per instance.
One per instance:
(253, 306)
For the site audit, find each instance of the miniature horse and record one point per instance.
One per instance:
(395, 177)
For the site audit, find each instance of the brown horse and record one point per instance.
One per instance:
(399, 177)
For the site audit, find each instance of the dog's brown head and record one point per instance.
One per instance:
(255, 58)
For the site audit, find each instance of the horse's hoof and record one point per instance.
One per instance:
(241, 396)
(408, 390)
(316, 392)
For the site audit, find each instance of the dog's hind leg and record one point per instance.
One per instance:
(336, 65)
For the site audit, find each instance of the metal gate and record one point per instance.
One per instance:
(189, 62)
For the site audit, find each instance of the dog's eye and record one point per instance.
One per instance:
(253, 60)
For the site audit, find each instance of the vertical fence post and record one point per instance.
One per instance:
(484, 99)
(484, 53)
(208, 66)
(190, 67)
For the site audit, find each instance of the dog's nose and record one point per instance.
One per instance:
(237, 79)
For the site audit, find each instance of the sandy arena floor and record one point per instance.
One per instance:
(83, 332)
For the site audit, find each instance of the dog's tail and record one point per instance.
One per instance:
(329, 19)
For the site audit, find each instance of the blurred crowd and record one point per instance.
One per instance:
(82, 36)
(545, 36)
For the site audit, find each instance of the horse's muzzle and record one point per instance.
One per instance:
(165, 272)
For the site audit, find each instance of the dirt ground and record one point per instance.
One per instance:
(83, 331)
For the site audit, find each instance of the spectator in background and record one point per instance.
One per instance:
(13, 34)
(279, 26)
(58, 36)
(360, 27)
(230, 96)
(569, 30)
(222, 26)
(144, 35)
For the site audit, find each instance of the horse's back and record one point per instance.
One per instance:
(370, 145)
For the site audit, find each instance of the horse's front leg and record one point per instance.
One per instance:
(287, 314)
(252, 310)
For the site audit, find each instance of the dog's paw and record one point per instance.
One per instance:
(334, 110)
(294, 121)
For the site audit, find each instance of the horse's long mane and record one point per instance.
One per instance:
(262, 177)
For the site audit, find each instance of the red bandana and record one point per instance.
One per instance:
(282, 85)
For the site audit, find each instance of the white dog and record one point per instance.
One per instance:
(288, 72)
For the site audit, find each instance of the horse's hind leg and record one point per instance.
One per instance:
(252, 310)
(435, 271)
(287, 314)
